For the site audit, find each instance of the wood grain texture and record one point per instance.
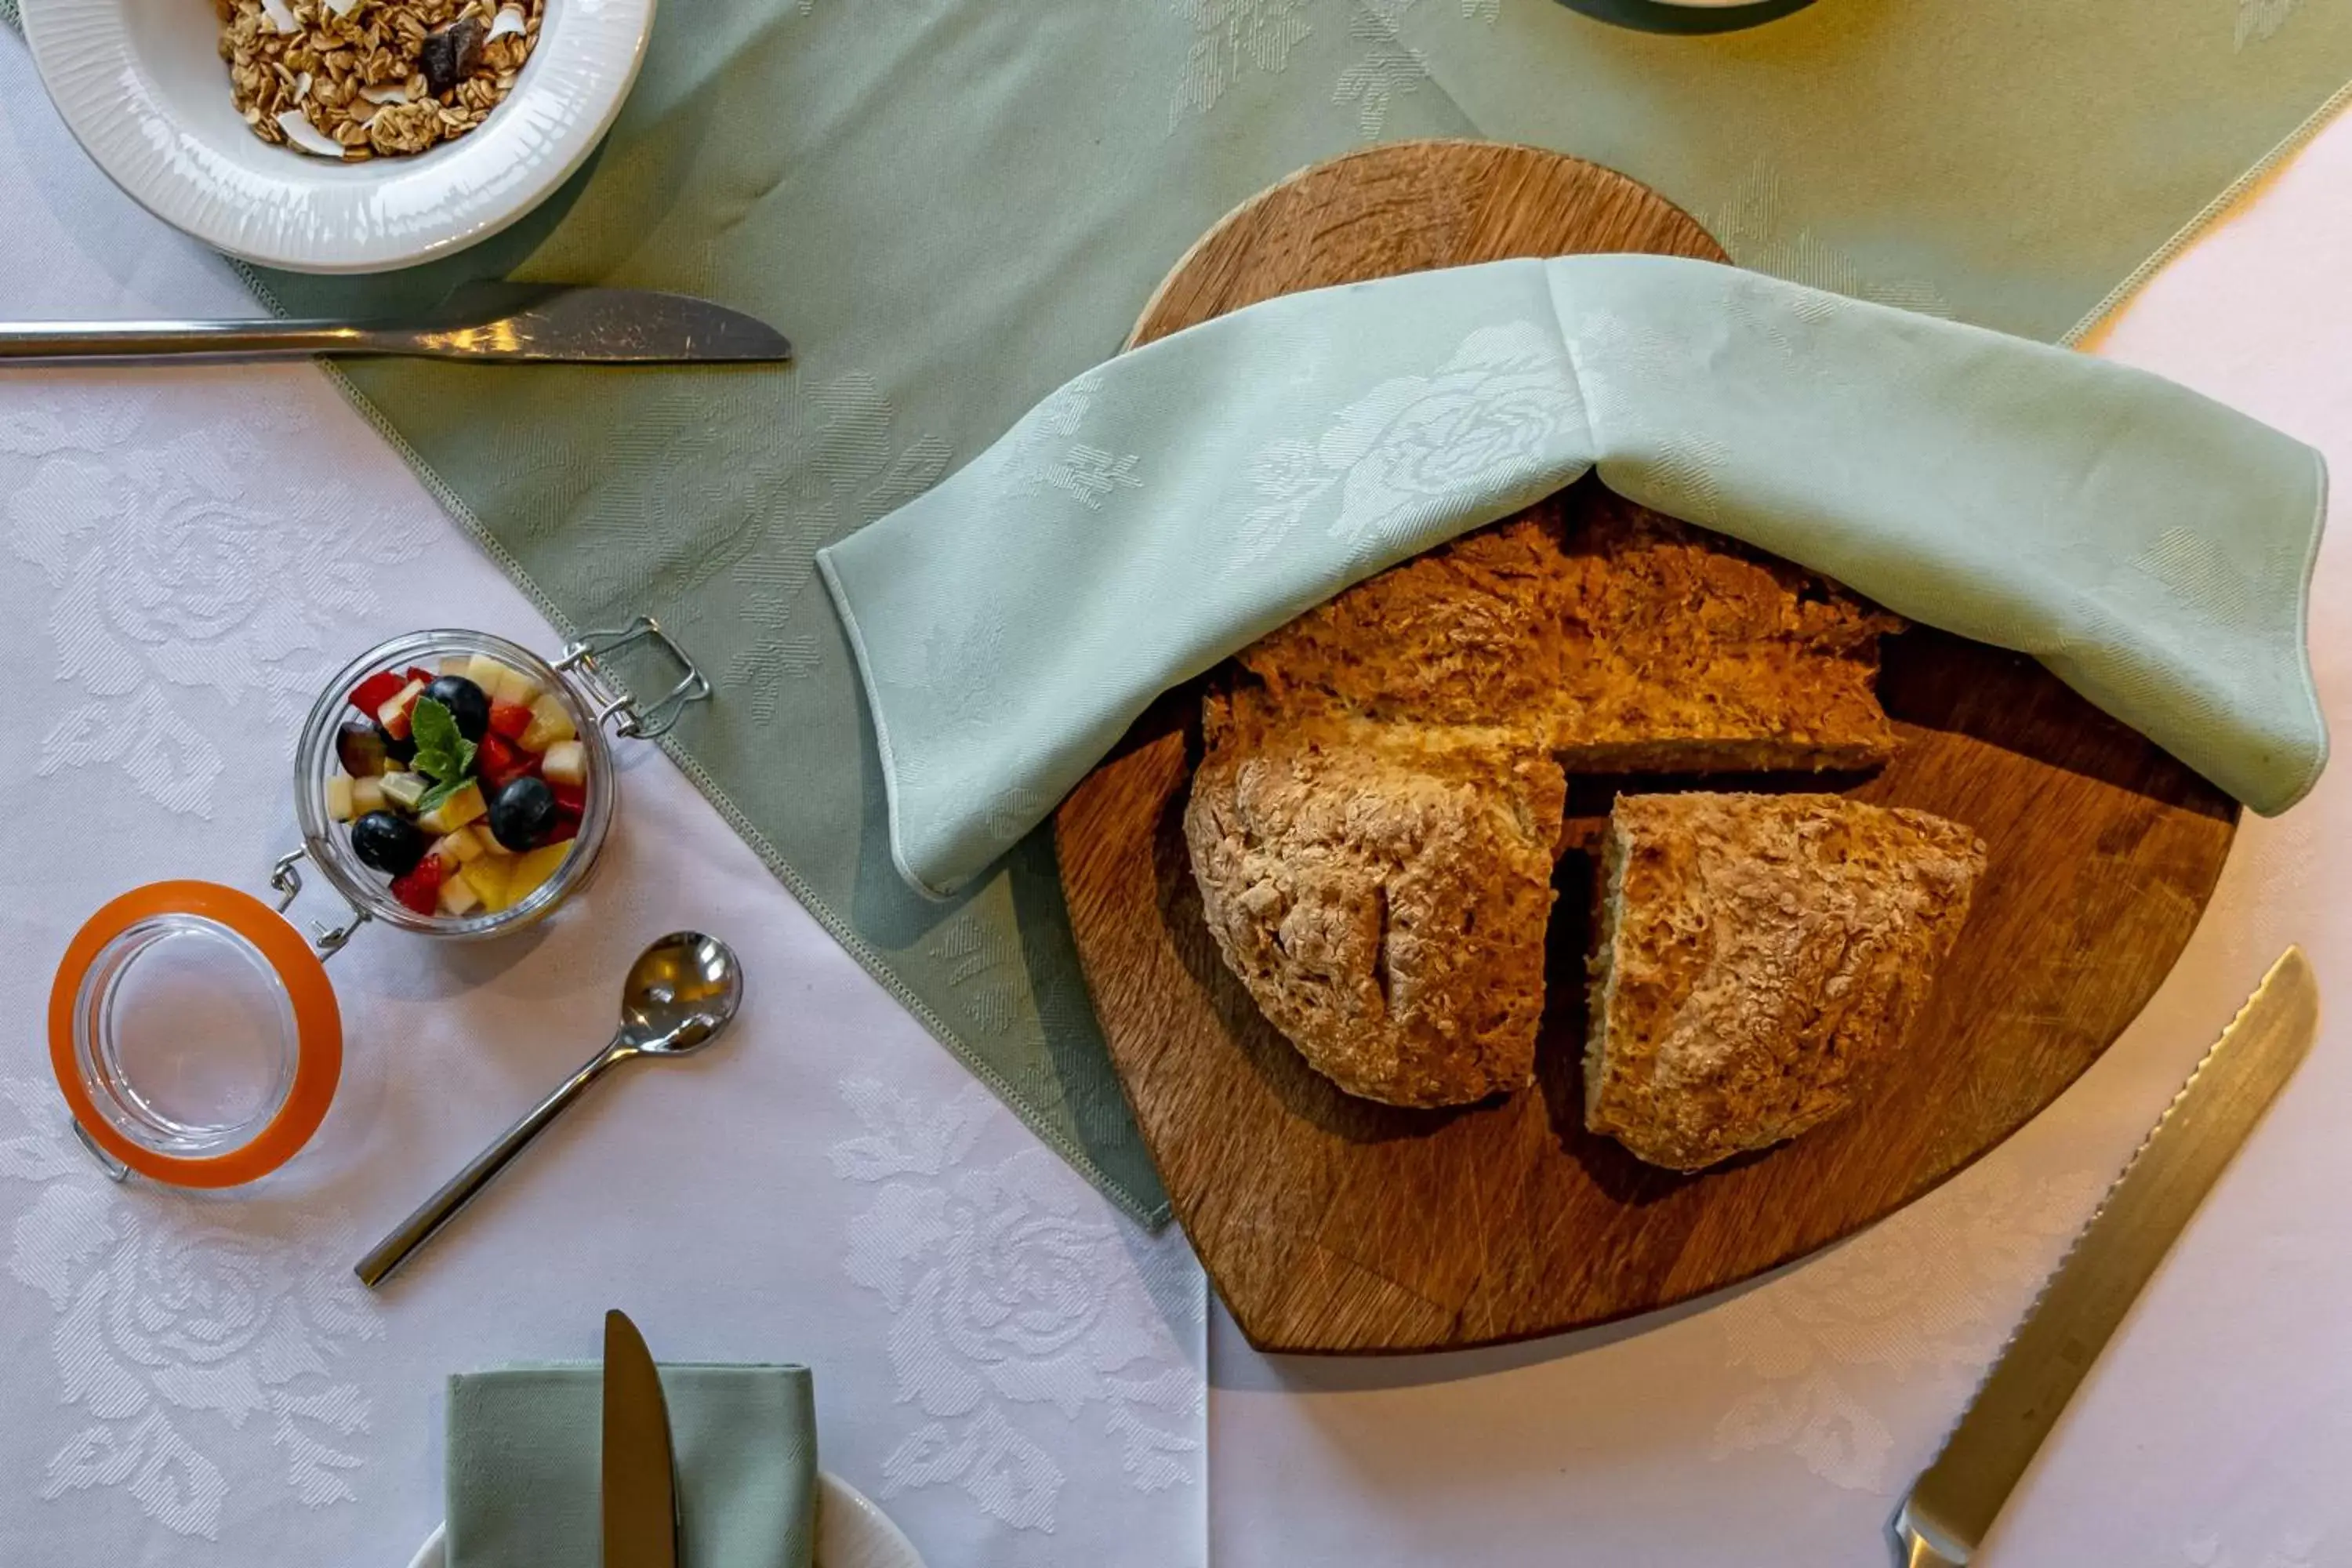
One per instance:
(1331, 1224)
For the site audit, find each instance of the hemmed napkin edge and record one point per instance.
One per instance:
(839, 594)
(2310, 679)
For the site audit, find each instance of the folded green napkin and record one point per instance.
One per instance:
(525, 1453)
(2150, 546)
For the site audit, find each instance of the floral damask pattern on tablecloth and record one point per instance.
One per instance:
(179, 562)
(177, 1341)
(2261, 19)
(1891, 1301)
(1017, 1299)
(1233, 37)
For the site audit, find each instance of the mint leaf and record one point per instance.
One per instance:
(442, 754)
(433, 797)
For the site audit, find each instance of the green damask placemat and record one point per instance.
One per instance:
(954, 205)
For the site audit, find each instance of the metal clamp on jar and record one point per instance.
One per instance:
(193, 1027)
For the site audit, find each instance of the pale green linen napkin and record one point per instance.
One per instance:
(2150, 546)
(525, 1450)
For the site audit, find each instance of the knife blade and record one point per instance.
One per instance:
(494, 323)
(1953, 1504)
(640, 1478)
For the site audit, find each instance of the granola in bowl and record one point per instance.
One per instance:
(361, 78)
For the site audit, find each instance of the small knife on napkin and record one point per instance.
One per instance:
(1953, 1504)
(488, 323)
(640, 1477)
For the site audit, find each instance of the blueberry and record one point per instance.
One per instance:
(467, 703)
(360, 747)
(388, 843)
(521, 812)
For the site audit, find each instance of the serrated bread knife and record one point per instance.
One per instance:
(1953, 1504)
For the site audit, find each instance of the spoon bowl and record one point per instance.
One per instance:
(681, 992)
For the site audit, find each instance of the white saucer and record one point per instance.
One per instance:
(851, 1532)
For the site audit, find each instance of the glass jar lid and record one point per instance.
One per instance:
(194, 1035)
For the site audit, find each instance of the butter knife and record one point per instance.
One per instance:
(1953, 1504)
(640, 1478)
(489, 323)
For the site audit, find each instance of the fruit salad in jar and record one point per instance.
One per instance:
(462, 786)
(449, 784)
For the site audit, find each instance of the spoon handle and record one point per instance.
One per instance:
(461, 1189)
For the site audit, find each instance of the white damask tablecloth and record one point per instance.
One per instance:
(1019, 1375)
(1013, 1369)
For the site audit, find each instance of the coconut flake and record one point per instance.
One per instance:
(342, 8)
(509, 20)
(302, 86)
(397, 93)
(308, 138)
(281, 16)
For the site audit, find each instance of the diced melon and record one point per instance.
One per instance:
(339, 797)
(460, 847)
(566, 762)
(458, 663)
(485, 672)
(367, 795)
(532, 870)
(513, 687)
(403, 790)
(394, 715)
(456, 898)
(456, 812)
(488, 875)
(549, 724)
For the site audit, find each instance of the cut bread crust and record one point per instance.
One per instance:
(1618, 639)
(1382, 892)
(1374, 823)
(1760, 958)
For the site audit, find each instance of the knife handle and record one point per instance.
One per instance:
(461, 1189)
(131, 341)
(1926, 1544)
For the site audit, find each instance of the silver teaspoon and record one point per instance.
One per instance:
(681, 992)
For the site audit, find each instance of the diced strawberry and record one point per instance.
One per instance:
(570, 799)
(416, 673)
(420, 890)
(565, 828)
(498, 762)
(508, 719)
(377, 690)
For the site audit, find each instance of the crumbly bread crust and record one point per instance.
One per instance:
(1759, 957)
(1618, 639)
(1374, 823)
(1382, 890)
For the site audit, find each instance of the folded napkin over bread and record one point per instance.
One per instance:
(2152, 547)
(526, 1454)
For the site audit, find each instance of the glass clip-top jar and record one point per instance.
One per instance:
(448, 783)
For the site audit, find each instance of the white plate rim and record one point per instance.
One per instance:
(852, 1532)
(312, 215)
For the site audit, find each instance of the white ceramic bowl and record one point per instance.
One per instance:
(142, 85)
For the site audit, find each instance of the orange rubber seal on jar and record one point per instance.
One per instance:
(318, 1031)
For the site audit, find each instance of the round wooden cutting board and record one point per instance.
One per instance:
(1331, 1224)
